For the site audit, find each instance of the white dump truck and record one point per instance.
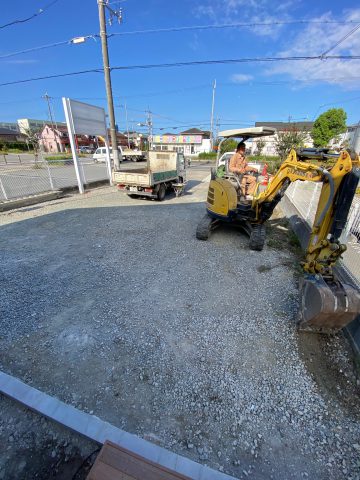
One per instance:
(164, 171)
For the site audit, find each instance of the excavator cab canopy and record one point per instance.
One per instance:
(243, 134)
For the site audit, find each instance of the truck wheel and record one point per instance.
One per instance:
(161, 192)
(134, 159)
(257, 237)
(204, 228)
(131, 195)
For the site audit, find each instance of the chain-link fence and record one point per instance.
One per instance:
(305, 197)
(24, 175)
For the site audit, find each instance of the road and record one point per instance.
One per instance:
(21, 180)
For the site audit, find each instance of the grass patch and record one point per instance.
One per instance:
(207, 156)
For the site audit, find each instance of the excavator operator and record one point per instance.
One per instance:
(239, 166)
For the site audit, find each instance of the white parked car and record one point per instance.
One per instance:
(100, 155)
(225, 159)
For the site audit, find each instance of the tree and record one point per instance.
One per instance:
(33, 139)
(285, 141)
(328, 125)
(260, 145)
(228, 146)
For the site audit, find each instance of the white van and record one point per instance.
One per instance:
(100, 155)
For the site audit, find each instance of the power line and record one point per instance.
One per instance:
(178, 29)
(39, 12)
(342, 39)
(190, 64)
(230, 25)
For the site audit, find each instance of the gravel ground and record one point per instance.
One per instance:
(112, 305)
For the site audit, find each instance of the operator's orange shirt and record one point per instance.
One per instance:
(238, 163)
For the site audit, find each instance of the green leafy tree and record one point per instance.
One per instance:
(228, 146)
(291, 138)
(328, 125)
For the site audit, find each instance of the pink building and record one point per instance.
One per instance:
(56, 139)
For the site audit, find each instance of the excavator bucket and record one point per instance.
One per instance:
(326, 306)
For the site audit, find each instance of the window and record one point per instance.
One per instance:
(97, 151)
(103, 150)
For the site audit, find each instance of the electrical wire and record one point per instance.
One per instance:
(341, 40)
(189, 64)
(229, 25)
(178, 29)
(41, 10)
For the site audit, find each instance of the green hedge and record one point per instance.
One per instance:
(207, 156)
(11, 146)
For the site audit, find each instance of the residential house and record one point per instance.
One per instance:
(9, 136)
(270, 141)
(10, 126)
(348, 139)
(189, 142)
(55, 139)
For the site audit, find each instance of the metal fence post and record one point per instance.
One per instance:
(50, 177)
(82, 171)
(3, 189)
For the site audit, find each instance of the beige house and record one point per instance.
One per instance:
(269, 148)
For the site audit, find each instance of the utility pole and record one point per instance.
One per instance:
(107, 70)
(212, 116)
(52, 119)
(127, 125)
(150, 127)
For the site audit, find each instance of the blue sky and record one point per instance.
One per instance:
(181, 97)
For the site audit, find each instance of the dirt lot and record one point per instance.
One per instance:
(112, 305)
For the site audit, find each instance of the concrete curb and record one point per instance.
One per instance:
(98, 430)
(302, 231)
(26, 201)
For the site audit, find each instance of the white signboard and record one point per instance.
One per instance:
(85, 119)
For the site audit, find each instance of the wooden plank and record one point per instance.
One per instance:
(117, 463)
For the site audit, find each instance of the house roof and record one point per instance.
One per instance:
(8, 131)
(280, 126)
(195, 131)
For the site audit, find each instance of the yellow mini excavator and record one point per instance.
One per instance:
(326, 303)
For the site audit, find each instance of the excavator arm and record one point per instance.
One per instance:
(326, 303)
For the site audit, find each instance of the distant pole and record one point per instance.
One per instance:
(52, 119)
(127, 126)
(107, 70)
(212, 117)
(47, 99)
(150, 128)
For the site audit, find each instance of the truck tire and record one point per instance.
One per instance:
(161, 192)
(257, 237)
(134, 159)
(204, 228)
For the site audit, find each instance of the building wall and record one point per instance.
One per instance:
(30, 124)
(270, 142)
(51, 140)
(185, 148)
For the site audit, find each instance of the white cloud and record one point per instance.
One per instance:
(317, 38)
(241, 78)
(247, 11)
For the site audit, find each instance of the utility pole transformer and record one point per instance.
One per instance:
(107, 73)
